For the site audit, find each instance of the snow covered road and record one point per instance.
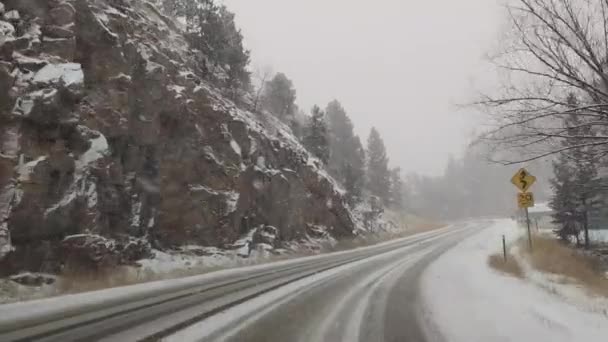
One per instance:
(367, 294)
(430, 287)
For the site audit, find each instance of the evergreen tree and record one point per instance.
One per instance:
(211, 29)
(576, 177)
(354, 174)
(280, 96)
(378, 175)
(347, 162)
(397, 189)
(565, 213)
(316, 136)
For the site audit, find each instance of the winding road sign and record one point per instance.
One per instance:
(523, 180)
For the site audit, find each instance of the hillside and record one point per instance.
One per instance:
(114, 142)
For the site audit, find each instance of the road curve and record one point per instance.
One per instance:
(368, 294)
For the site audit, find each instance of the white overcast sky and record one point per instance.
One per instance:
(399, 65)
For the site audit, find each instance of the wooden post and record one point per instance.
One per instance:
(529, 232)
(504, 248)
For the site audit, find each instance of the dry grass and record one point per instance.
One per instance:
(554, 257)
(76, 282)
(510, 266)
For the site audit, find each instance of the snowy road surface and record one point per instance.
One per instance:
(431, 287)
(367, 294)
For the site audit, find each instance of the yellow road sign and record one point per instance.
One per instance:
(525, 199)
(523, 180)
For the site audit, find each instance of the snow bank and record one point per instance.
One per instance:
(468, 301)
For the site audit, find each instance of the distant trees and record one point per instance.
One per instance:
(397, 189)
(279, 96)
(316, 139)
(347, 156)
(378, 175)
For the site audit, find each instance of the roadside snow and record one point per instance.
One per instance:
(165, 263)
(468, 301)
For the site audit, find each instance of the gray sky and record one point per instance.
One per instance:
(399, 65)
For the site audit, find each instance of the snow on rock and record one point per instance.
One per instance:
(6, 30)
(468, 301)
(7, 195)
(261, 162)
(136, 214)
(178, 90)
(65, 201)
(244, 245)
(232, 199)
(103, 21)
(235, 147)
(12, 15)
(26, 60)
(66, 73)
(91, 248)
(9, 142)
(97, 150)
(25, 170)
(25, 104)
(5, 238)
(91, 195)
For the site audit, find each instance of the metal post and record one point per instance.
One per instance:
(504, 248)
(529, 232)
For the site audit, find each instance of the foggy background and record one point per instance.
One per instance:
(398, 65)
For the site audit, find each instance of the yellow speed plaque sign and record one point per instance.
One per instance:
(525, 199)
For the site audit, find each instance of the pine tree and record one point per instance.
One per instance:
(576, 176)
(378, 176)
(211, 29)
(316, 136)
(565, 213)
(397, 189)
(354, 174)
(347, 162)
(280, 96)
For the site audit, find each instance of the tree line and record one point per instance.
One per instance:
(327, 133)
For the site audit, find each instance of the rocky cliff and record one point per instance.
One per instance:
(114, 140)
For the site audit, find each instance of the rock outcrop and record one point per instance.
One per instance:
(113, 141)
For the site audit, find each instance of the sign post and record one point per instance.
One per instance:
(523, 180)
